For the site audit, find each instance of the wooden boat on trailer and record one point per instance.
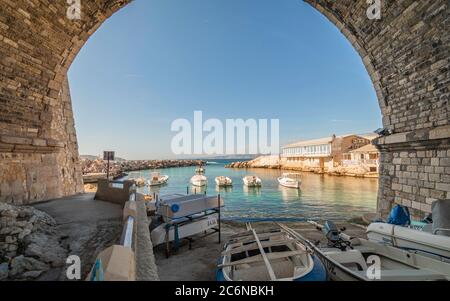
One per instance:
(348, 259)
(269, 256)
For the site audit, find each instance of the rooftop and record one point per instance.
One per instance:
(369, 148)
(326, 140)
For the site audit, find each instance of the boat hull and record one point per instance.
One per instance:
(317, 274)
(289, 184)
(253, 257)
(252, 182)
(199, 181)
(158, 235)
(402, 237)
(162, 181)
(223, 182)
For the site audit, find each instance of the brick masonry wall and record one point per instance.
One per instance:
(406, 53)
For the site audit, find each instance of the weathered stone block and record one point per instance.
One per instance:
(39, 142)
(16, 140)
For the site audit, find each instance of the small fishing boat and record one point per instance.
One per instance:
(200, 223)
(180, 216)
(223, 181)
(356, 259)
(252, 181)
(200, 170)
(268, 256)
(410, 239)
(199, 180)
(140, 182)
(158, 179)
(290, 180)
(430, 239)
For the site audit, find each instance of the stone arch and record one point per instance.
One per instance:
(406, 54)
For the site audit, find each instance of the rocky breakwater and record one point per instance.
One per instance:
(90, 167)
(29, 243)
(272, 162)
(118, 168)
(158, 164)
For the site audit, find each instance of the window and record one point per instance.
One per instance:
(373, 156)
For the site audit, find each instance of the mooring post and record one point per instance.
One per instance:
(107, 171)
(220, 230)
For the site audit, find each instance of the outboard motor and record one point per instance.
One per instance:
(331, 232)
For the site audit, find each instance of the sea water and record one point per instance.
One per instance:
(320, 196)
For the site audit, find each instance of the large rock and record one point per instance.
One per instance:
(46, 248)
(22, 264)
(30, 241)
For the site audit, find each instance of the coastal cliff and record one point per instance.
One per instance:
(271, 162)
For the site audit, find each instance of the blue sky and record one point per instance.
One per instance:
(158, 60)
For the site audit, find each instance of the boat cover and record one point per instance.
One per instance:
(399, 216)
(441, 217)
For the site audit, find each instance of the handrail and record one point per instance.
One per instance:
(127, 236)
(97, 272)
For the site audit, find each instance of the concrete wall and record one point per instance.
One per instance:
(406, 54)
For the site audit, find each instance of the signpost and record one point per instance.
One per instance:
(108, 156)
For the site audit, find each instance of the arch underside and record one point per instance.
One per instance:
(406, 54)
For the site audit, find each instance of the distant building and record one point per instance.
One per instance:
(322, 154)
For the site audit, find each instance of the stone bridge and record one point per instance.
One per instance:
(406, 53)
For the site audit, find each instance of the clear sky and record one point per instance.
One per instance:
(158, 60)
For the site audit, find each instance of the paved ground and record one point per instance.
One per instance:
(199, 264)
(87, 226)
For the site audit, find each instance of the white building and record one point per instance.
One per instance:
(322, 154)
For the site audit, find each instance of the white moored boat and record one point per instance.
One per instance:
(200, 170)
(252, 181)
(199, 180)
(290, 180)
(158, 179)
(355, 259)
(140, 182)
(269, 256)
(432, 239)
(223, 181)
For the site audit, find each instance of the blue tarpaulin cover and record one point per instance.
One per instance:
(399, 216)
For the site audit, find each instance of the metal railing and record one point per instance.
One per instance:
(127, 235)
(97, 272)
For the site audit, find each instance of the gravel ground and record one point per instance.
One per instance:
(88, 226)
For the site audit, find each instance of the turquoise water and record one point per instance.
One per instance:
(320, 196)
